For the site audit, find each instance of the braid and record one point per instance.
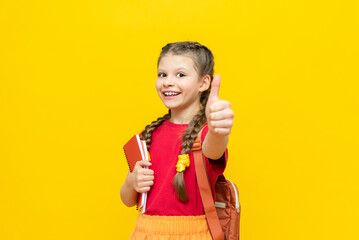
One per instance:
(147, 133)
(194, 127)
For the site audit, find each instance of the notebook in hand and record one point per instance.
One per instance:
(136, 150)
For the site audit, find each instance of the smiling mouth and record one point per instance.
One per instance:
(171, 93)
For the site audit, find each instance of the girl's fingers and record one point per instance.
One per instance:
(145, 184)
(143, 163)
(227, 123)
(143, 190)
(219, 105)
(222, 131)
(147, 172)
(142, 171)
(222, 127)
(223, 114)
(143, 178)
(148, 178)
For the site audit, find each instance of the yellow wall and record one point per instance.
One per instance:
(77, 80)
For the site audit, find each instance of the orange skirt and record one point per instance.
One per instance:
(150, 227)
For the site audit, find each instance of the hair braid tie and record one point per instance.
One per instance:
(182, 163)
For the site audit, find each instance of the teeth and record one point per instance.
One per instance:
(170, 93)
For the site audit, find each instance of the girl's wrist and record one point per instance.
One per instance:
(129, 182)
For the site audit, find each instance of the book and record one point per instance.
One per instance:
(136, 150)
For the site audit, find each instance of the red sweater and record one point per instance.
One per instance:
(165, 148)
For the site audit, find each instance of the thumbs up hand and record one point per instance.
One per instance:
(218, 112)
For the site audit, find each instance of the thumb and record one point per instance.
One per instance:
(215, 87)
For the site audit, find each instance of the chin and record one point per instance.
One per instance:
(170, 105)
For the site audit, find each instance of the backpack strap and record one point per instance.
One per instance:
(205, 190)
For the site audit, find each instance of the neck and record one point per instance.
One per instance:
(183, 116)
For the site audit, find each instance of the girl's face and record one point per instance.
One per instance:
(178, 83)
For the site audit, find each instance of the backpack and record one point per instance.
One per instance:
(222, 216)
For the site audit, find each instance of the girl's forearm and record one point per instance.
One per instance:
(214, 145)
(128, 193)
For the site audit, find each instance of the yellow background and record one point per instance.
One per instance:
(77, 81)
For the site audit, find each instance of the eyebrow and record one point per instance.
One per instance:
(175, 69)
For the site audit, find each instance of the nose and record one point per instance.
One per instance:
(168, 81)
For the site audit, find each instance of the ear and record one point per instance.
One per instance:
(205, 83)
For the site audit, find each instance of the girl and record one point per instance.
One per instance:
(187, 88)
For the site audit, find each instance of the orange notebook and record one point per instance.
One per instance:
(136, 150)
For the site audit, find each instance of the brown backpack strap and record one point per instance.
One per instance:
(205, 190)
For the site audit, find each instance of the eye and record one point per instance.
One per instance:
(161, 75)
(180, 75)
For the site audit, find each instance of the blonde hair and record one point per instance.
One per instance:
(204, 64)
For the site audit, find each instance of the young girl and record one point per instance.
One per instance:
(187, 88)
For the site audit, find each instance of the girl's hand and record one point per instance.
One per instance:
(141, 179)
(218, 112)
